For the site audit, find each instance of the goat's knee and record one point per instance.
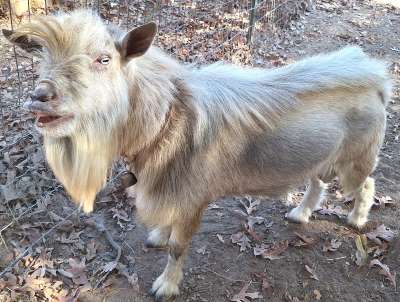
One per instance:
(158, 237)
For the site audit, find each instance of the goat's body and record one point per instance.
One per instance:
(264, 132)
(231, 131)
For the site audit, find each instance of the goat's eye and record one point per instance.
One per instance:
(104, 60)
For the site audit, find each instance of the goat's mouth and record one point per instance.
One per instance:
(50, 120)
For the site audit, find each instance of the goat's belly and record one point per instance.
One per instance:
(293, 153)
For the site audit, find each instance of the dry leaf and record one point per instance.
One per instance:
(242, 240)
(271, 252)
(385, 271)
(78, 271)
(133, 278)
(317, 294)
(332, 246)
(249, 226)
(333, 210)
(243, 295)
(73, 297)
(250, 205)
(220, 238)
(381, 232)
(312, 273)
(383, 201)
(305, 241)
(252, 220)
(109, 266)
(213, 206)
(266, 285)
(9, 281)
(201, 250)
(91, 250)
(361, 254)
(378, 250)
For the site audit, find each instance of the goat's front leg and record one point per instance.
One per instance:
(166, 285)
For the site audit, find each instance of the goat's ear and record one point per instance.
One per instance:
(137, 41)
(25, 42)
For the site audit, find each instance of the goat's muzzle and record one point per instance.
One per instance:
(43, 103)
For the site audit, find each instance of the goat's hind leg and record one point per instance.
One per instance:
(313, 197)
(355, 180)
(166, 286)
(363, 201)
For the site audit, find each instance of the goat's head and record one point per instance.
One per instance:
(81, 78)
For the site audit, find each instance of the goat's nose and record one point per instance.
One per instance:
(44, 92)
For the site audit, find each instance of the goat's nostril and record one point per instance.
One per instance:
(40, 95)
(44, 93)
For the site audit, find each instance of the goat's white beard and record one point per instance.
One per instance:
(81, 162)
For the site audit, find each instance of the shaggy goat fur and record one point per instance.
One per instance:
(192, 135)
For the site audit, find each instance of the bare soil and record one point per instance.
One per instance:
(216, 269)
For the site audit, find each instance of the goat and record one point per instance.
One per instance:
(192, 135)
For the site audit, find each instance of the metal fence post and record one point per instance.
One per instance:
(251, 21)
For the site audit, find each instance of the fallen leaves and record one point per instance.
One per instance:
(249, 226)
(249, 204)
(242, 240)
(220, 238)
(317, 294)
(271, 252)
(77, 271)
(304, 240)
(201, 250)
(383, 201)
(381, 233)
(266, 285)
(333, 210)
(331, 246)
(244, 296)
(313, 275)
(132, 278)
(385, 271)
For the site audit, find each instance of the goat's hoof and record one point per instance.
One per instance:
(356, 221)
(298, 215)
(164, 299)
(164, 291)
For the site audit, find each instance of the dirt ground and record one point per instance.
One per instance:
(323, 261)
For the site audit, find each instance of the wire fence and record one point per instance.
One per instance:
(193, 31)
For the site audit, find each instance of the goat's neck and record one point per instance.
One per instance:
(153, 87)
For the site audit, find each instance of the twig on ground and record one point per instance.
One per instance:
(224, 277)
(99, 225)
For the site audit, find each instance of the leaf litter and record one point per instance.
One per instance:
(332, 245)
(271, 252)
(242, 240)
(385, 271)
(381, 233)
(313, 275)
(244, 296)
